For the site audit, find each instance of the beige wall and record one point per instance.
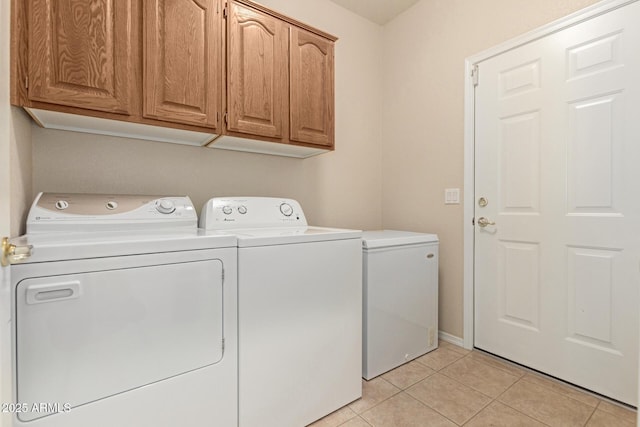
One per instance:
(5, 119)
(424, 51)
(409, 72)
(15, 145)
(341, 189)
(21, 169)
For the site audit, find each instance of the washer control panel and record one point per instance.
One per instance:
(52, 212)
(251, 212)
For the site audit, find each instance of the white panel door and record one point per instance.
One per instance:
(558, 160)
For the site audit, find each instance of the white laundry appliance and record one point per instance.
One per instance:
(124, 315)
(400, 281)
(299, 311)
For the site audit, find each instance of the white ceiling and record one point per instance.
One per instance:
(378, 11)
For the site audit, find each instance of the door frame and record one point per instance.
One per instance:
(582, 15)
(5, 206)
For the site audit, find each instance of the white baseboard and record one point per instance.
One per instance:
(450, 338)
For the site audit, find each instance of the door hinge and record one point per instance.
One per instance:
(223, 345)
(26, 82)
(475, 71)
(473, 221)
(225, 11)
(223, 275)
(226, 118)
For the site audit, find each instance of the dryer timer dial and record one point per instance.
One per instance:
(62, 205)
(165, 206)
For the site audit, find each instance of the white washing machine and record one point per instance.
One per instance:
(124, 315)
(400, 281)
(299, 311)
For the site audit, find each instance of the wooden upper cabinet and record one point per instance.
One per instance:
(182, 64)
(257, 85)
(311, 88)
(176, 64)
(80, 53)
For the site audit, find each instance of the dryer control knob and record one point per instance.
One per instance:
(286, 209)
(112, 204)
(227, 209)
(62, 205)
(165, 206)
(242, 209)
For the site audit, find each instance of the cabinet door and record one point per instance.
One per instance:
(311, 104)
(80, 53)
(257, 72)
(182, 74)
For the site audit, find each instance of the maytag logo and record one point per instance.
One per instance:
(229, 219)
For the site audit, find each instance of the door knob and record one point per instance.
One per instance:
(12, 254)
(483, 222)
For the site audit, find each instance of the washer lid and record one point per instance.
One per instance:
(387, 238)
(289, 235)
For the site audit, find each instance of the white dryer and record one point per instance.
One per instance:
(299, 311)
(124, 315)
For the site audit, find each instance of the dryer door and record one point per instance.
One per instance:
(86, 336)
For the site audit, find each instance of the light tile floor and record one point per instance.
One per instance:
(452, 386)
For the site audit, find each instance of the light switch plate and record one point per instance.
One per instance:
(451, 196)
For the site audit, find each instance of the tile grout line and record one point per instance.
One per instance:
(499, 362)
(454, 348)
(355, 415)
(433, 409)
(552, 391)
(364, 421)
(521, 373)
(404, 390)
(619, 406)
(591, 415)
(382, 401)
(477, 390)
(414, 383)
(429, 406)
(523, 377)
(493, 399)
(549, 378)
(518, 378)
(480, 410)
(515, 409)
(439, 371)
(528, 372)
(459, 383)
(351, 419)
